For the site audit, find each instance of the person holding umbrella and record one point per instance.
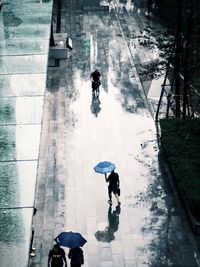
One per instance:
(73, 241)
(113, 179)
(113, 187)
(57, 257)
(76, 257)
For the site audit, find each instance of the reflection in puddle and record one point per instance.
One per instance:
(107, 235)
(95, 105)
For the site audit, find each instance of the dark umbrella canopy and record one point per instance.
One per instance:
(104, 167)
(70, 239)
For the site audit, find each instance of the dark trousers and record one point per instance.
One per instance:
(110, 191)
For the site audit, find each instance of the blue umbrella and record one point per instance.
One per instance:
(70, 240)
(104, 167)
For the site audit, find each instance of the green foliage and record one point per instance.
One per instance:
(168, 12)
(181, 142)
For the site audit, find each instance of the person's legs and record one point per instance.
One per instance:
(97, 88)
(110, 195)
(75, 265)
(93, 88)
(57, 264)
(117, 197)
(97, 91)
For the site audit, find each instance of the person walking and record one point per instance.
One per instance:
(113, 187)
(95, 76)
(57, 257)
(76, 257)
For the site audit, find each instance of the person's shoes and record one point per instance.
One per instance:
(33, 249)
(110, 202)
(32, 254)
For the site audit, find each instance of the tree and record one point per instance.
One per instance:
(177, 60)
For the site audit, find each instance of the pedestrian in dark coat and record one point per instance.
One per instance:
(76, 257)
(95, 76)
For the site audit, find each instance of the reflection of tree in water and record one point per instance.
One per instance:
(163, 218)
(14, 239)
(11, 230)
(11, 224)
(10, 20)
(132, 97)
(121, 73)
(9, 183)
(7, 111)
(155, 41)
(151, 70)
(7, 142)
(113, 223)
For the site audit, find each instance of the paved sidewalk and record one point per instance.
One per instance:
(150, 227)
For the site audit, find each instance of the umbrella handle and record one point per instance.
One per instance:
(106, 177)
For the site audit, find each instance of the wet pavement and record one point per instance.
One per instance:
(150, 227)
(24, 45)
(72, 132)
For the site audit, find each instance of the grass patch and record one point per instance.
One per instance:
(181, 142)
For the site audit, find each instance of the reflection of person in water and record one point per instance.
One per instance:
(95, 105)
(113, 219)
(113, 222)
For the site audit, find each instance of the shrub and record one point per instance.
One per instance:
(181, 142)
